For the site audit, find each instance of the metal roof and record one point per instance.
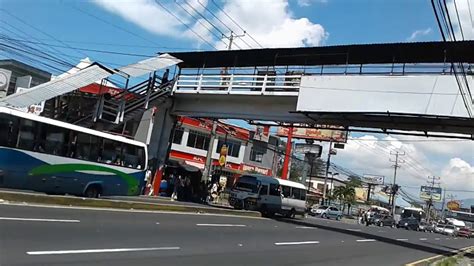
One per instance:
(57, 87)
(150, 65)
(424, 52)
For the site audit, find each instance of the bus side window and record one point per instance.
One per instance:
(54, 140)
(8, 130)
(131, 156)
(274, 191)
(295, 193)
(26, 139)
(264, 190)
(286, 191)
(95, 149)
(112, 152)
(303, 194)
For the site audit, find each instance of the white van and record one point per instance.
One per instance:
(269, 195)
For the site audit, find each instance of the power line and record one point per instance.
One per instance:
(224, 24)
(111, 24)
(201, 22)
(86, 49)
(186, 25)
(38, 29)
(459, 21)
(240, 27)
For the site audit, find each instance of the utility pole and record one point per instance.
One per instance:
(432, 182)
(328, 163)
(207, 168)
(397, 162)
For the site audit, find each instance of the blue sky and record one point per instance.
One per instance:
(143, 27)
(345, 21)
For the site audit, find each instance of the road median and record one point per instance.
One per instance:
(457, 257)
(35, 198)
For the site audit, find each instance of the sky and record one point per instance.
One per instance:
(141, 28)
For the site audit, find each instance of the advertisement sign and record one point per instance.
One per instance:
(5, 76)
(373, 179)
(428, 193)
(334, 133)
(256, 169)
(453, 205)
(262, 133)
(308, 148)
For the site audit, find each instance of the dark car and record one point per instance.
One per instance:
(382, 220)
(409, 223)
(464, 232)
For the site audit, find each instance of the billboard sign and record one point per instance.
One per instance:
(5, 76)
(334, 133)
(453, 205)
(308, 148)
(262, 133)
(428, 193)
(373, 179)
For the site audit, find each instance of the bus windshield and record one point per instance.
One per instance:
(247, 183)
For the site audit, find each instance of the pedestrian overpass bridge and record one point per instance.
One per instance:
(410, 88)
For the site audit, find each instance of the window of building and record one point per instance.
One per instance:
(178, 135)
(233, 147)
(198, 140)
(256, 155)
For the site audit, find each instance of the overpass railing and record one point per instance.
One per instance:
(283, 85)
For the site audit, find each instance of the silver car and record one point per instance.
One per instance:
(327, 212)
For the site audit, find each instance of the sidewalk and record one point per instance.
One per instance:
(168, 201)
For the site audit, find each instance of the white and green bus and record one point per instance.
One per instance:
(42, 154)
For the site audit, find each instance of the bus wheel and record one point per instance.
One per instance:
(291, 214)
(92, 191)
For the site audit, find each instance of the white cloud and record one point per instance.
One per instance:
(465, 10)
(276, 26)
(306, 3)
(459, 174)
(418, 33)
(370, 155)
(144, 13)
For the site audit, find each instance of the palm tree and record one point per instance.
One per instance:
(345, 195)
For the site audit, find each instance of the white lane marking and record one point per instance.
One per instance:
(366, 240)
(355, 230)
(436, 238)
(381, 231)
(305, 227)
(402, 239)
(423, 239)
(296, 243)
(38, 220)
(84, 251)
(240, 245)
(126, 210)
(223, 225)
(157, 222)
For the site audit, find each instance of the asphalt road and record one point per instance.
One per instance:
(62, 236)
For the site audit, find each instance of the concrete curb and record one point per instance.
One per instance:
(115, 204)
(434, 259)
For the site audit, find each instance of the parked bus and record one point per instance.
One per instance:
(268, 195)
(42, 154)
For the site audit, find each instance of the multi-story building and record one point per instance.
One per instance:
(191, 140)
(17, 74)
